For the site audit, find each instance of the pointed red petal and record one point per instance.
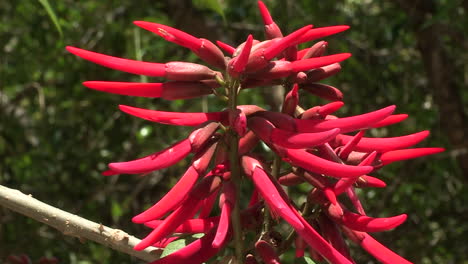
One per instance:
(198, 251)
(385, 144)
(345, 124)
(321, 32)
(172, 34)
(131, 66)
(393, 119)
(272, 197)
(313, 63)
(350, 145)
(240, 61)
(404, 154)
(152, 90)
(227, 48)
(329, 108)
(369, 181)
(369, 224)
(318, 165)
(291, 39)
(267, 20)
(302, 140)
(223, 226)
(156, 161)
(172, 118)
(379, 251)
(191, 226)
(324, 91)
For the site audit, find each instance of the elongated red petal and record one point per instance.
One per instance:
(191, 226)
(323, 72)
(385, 144)
(291, 39)
(313, 63)
(350, 145)
(318, 165)
(131, 66)
(186, 210)
(152, 90)
(317, 50)
(404, 154)
(369, 224)
(318, 243)
(156, 161)
(332, 234)
(379, 251)
(267, 19)
(180, 190)
(324, 91)
(369, 181)
(227, 48)
(317, 33)
(293, 140)
(345, 124)
(393, 119)
(198, 251)
(223, 226)
(290, 179)
(204, 48)
(291, 101)
(240, 61)
(329, 108)
(171, 34)
(173, 118)
(274, 200)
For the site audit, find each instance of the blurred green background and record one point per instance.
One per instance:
(57, 136)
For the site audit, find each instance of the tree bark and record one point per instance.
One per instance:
(73, 225)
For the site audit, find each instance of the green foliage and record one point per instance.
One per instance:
(51, 13)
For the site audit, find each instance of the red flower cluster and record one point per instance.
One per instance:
(316, 145)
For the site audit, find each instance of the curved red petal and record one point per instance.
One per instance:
(152, 90)
(130, 66)
(293, 140)
(345, 124)
(404, 154)
(172, 118)
(156, 161)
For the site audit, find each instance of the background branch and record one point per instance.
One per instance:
(73, 225)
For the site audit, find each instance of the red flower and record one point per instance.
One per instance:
(314, 143)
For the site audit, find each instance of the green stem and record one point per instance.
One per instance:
(235, 174)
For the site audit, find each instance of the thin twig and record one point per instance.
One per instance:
(73, 225)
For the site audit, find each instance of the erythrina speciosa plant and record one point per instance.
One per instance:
(309, 145)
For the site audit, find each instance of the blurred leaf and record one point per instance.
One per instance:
(309, 260)
(214, 5)
(178, 244)
(51, 13)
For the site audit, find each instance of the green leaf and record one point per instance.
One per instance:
(309, 260)
(51, 13)
(214, 5)
(178, 244)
